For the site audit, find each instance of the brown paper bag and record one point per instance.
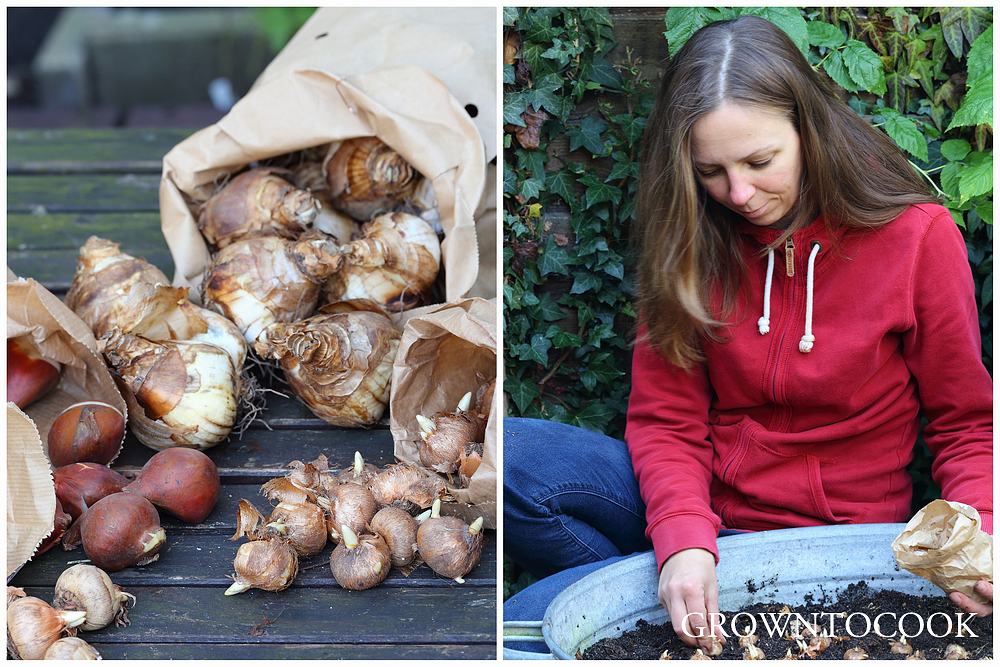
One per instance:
(62, 336)
(455, 44)
(943, 544)
(407, 108)
(446, 351)
(31, 493)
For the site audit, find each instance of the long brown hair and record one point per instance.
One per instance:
(852, 175)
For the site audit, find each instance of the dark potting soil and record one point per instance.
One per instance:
(648, 642)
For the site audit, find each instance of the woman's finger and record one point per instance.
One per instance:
(985, 588)
(965, 603)
(681, 620)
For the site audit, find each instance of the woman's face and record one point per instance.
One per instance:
(748, 160)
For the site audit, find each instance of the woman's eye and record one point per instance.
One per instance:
(707, 174)
(760, 165)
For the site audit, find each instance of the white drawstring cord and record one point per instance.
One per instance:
(806, 344)
(764, 323)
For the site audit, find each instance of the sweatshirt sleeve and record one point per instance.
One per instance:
(943, 352)
(667, 436)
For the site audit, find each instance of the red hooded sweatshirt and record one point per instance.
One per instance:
(764, 435)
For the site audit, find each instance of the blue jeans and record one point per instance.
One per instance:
(571, 506)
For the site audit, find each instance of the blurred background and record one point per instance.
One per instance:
(137, 67)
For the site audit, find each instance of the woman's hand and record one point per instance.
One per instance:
(984, 588)
(688, 588)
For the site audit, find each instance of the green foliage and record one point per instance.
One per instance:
(566, 295)
(279, 24)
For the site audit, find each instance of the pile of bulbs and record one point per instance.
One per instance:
(375, 517)
(85, 599)
(453, 442)
(116, 520)
(309, 287)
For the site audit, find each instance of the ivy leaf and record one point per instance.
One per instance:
(553, 259)
(905, 133)
(600, 71)
(824, 34)
(585, 282)
(522, 392)
(509, 180)
(977, 177)
(977, 107)
(595, 416)
(835, 67)
(561, 338)
(955, 149)
(596, 16)
(510, 15)
(538, 350)
(531, 188)
(598, 192)
(508, 74)
(682, 22)
(959, 22)
(986, 296)
(543, 94)
(514, 105)
(549, 310)
(562, 184)
(864, 66)
(588, 135)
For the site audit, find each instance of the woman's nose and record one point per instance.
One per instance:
(740, 191)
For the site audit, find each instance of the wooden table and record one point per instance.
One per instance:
(62, 187)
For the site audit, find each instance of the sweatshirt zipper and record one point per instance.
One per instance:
(789, 257)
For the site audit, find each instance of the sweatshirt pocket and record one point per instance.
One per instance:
(785, 485)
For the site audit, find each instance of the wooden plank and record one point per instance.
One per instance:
(206, 560)
(306, 615)
(89, 150)
(262, 454)
(83, 193)
(259, 651)
(55, 268)
(137, 233)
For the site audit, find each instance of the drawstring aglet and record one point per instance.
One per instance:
(763, 326)
(806, 344)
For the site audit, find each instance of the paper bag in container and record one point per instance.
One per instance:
(407, 108)
(445, 352)
(41, 323)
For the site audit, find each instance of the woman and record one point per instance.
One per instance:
(802, 300)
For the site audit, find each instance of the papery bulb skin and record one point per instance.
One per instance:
(360, 563)
(352, 505)
(448, 545)
(302, 524)
(394, 263)
(339, 364)
(33, 626)
(258, 202)
(256, 282)
(270, 565)
(399, 530)
(71, 648)
(91, 431)
(180, 393)
(60, 523)
(108, 284)
(84, 587)
(407, 487)
(366, 177)
(441, 447)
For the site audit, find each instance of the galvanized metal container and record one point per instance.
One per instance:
(778, 565)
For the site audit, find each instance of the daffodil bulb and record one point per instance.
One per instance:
(339, 364)
(179, 393)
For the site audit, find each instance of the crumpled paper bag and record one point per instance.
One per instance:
(446, 351)
(31, 493)
(406, 107)
(943, 544)
(60, 335)
(458, 45)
